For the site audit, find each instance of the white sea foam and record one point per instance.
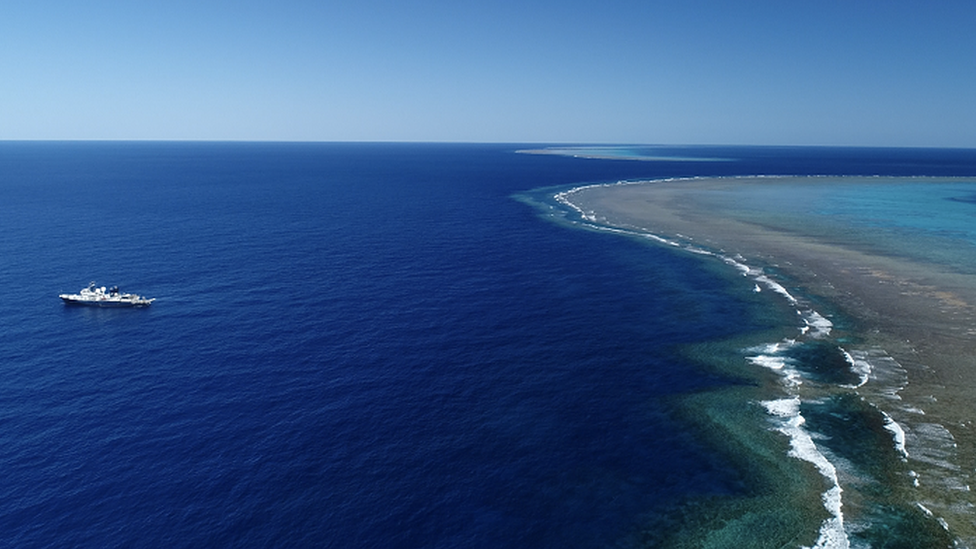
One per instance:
(817, 324)
(766, 361)
(772, 348)
(769, 357)
(598, 223)
(802, 446)
(814, 324)
(880, 377)
(740, 265)
(887, 376)
(934, 451)
(897, 434)
(935, 446)
(776, 287)
(783, 408)
(832, 533)
(859, 366)
(933, 454)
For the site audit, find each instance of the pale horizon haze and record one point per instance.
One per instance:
(871, 73)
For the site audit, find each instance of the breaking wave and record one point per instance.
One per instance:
(874, 375)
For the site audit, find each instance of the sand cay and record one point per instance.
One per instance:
(922, 313)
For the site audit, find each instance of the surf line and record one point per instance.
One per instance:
(790, 422)
(785, 412)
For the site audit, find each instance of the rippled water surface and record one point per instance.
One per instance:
(374, 345)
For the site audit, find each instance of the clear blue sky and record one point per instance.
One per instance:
(841, 72)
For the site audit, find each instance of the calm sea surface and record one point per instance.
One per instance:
(359, 345)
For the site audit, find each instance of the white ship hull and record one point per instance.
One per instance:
(100, 297)
(76, 300)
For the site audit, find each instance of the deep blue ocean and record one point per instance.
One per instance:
(355, 345)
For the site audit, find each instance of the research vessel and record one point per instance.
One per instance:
(99, 296)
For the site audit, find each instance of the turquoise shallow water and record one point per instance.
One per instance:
(929, 219)
(894, 467)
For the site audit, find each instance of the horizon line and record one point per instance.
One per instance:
(568, 144)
